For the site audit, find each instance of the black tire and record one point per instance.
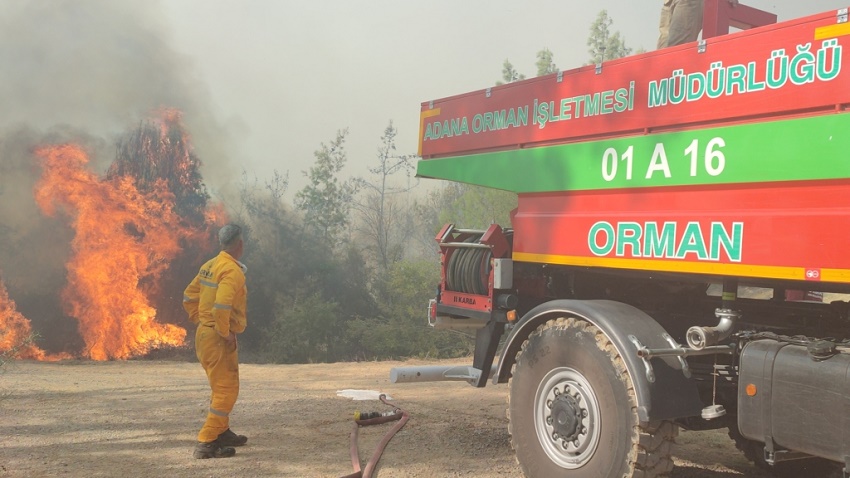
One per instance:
(598, 414)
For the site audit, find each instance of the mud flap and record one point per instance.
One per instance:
(486, 343)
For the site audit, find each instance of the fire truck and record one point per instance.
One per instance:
(678, 258)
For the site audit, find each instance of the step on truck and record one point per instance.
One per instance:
(678, 256)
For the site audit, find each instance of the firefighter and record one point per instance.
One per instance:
(216, 301)
(681, 21)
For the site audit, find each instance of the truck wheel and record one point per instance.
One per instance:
(572, 410)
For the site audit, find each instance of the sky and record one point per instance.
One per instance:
(264, 82)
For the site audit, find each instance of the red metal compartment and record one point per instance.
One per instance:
(800, 44)
(795, 231)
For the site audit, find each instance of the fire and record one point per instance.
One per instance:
(15, 331)
(124, 240)
(150, 212)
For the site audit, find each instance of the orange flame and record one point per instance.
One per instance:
(15, 331)
(124, 240)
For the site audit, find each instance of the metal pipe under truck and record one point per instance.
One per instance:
(676, 256)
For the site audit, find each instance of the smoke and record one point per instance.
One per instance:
(85, 71)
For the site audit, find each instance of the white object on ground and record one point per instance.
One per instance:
(360, 394)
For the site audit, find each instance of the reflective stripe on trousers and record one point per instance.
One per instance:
(221, 362)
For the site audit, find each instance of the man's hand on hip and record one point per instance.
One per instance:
(231, 339)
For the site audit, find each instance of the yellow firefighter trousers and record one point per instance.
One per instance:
(681, 22)
(221, 362)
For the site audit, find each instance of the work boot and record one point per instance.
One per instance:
(228, 438)
(212, 450)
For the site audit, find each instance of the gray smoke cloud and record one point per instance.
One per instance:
(84, 71)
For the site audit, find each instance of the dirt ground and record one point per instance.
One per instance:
(139, 419)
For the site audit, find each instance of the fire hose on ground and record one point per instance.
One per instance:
(374, 418)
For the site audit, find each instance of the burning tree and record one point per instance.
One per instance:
(123, 239)
(160, 151)
(130, 228)
(16, 337)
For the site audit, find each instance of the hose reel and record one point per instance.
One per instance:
(468, 268)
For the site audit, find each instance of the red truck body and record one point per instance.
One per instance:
(621, 172)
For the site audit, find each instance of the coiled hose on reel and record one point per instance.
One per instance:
(468, 270)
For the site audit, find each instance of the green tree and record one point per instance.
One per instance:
(381, 206)
(468, 206)
(602, 44)
(545, 63)
(325, 201)
(464, 205)
(271, 232)
(301, 335)
(303, 289)
(402, 330)
(509, 74)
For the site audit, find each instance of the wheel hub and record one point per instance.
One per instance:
(567, 417)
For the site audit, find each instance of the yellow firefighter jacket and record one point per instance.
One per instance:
(217, 296)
